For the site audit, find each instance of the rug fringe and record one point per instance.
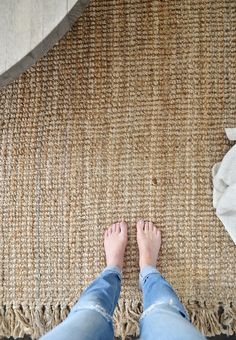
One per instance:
(213, 319)
(126, 318)
(35, 320)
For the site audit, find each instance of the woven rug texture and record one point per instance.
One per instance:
(124, 118)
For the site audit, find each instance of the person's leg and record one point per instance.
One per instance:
(91, 316)
(164, 316)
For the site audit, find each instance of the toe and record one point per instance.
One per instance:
(146, 226)
(110, 230)
(113, 227)
(123, 227)
(140, 225)
(151, 226)
(118, 227)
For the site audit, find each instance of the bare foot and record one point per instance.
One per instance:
(115, 240)
(149, 243)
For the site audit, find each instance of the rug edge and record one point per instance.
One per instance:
(36, 319)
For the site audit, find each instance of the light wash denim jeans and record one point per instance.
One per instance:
(164, 317)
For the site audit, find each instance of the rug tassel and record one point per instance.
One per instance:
(228, 319)
(126, 318)
(210, 320)
(35, 320)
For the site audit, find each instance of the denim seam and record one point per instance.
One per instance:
(113, 302)
(116, 288)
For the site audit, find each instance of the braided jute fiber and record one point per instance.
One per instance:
(124, 118)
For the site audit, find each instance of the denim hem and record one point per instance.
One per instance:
(113, 269)
(145, 272)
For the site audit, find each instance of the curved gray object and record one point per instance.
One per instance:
(47, 21)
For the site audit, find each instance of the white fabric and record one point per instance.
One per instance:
(224, 188)
(231, 133)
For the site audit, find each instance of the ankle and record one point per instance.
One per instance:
(147, 262)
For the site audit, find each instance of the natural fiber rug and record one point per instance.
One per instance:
(123, 118)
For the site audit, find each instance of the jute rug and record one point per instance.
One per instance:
(123, 118)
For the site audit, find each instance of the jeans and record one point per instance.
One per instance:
(163, 318)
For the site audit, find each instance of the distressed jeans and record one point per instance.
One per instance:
(163, 318)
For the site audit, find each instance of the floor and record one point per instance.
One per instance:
(218, 337)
